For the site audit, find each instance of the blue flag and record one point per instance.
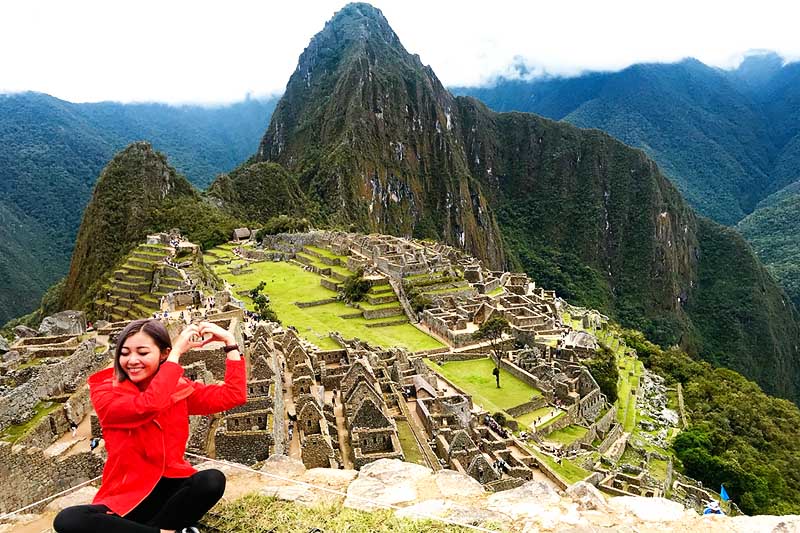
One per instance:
(723, 493)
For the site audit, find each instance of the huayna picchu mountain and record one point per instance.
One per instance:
(370, 139)
(374, 139)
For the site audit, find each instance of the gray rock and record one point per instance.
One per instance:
(9, 357)
(648, 509)
(100, 324)
(586, 496)
(82, 496)
(386, 481)
(526, 501)
(64, 323)
(4, 347)
(24, 332)
(281, 465)
(453, 485)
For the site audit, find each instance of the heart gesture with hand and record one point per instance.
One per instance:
(197, 336)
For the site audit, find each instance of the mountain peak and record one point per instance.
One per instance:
(354, 26)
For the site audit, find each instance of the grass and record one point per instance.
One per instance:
(370, 307)
(409, 444)
(319, 264)
(476, 379)
(658, 469)
(287, 283)
(559, 415)
(15, 432)
(529, 418)
(255, 513)
(568, 470)
(567, 435)
(630, 370)
(496, 292)
(325, 253)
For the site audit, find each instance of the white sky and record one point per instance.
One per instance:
(204, 51)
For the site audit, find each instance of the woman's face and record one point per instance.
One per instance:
(139, 357)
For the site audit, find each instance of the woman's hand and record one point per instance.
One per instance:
(211, 332)
(189, 338)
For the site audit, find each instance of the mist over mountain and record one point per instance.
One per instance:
(52, 151)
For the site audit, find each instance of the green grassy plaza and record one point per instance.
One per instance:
(567, 435)
(287, 283)
(476, 379)
(528, 419)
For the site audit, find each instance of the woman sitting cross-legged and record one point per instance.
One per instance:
(143, 404)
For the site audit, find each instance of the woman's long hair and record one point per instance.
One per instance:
(153, 328)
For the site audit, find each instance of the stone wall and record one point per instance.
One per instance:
(370, 314)
(516, 371)
(325, 301)
(246, 447)
(43, 476)
(51, 427)
(608, 420)
(612, 436)
(561, 423)
(519, 410)
(50, 380)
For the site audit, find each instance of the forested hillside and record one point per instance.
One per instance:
(727, 139)
(52, 151)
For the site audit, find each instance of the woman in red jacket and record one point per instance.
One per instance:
(143, 404)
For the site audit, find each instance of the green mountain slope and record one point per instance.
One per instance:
(774, 232)
(51, 152)
(723, 137)
(136, 194)
(372, 138)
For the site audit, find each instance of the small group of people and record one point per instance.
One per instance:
(143, 403)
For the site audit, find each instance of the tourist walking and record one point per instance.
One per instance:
(143, 404)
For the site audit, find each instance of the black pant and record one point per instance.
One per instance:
(174, 503)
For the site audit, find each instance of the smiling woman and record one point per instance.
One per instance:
(143, 404)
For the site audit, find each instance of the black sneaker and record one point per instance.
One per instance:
(189, 530)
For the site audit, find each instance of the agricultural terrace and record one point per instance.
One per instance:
(475, 378)
(287, 283)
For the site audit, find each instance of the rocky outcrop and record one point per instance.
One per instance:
(24, 332)
(63, 323)
(457, 498)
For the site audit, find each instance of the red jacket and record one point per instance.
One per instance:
(145, 432)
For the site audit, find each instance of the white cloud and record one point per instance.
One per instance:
(203, 51)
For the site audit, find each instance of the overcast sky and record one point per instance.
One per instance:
(203, 51)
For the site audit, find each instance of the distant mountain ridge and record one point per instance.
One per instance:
(727, 139)
(51, 152)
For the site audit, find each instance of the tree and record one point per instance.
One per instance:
(605, 372)
(261, 303)
(355, 287)
(257, 290)
(493, 330)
